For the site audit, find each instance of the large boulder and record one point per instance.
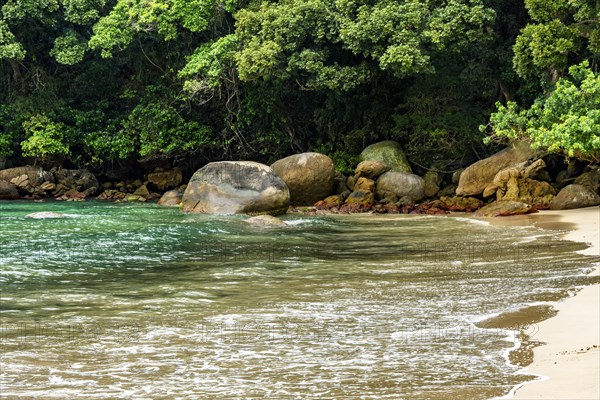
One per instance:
(389, 152)
(575, 196)
(236, 187)
(310, 177)
(165, 180)
(474, 179)
(8, 191)
(400, 184)
(504, 208)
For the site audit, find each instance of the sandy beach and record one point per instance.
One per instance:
(569, 360)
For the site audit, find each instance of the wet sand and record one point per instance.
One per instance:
(568, 362)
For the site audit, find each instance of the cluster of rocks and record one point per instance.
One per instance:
(512, 181)
(515, 181)
(33, 182)
(30, 182)
(151, 188)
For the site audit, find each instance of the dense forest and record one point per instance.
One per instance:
(98, 83)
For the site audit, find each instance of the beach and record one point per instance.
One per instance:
(568, 362)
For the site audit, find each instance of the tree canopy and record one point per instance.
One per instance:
(93, 82)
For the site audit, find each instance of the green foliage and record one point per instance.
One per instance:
(82, 12)
(164, 18)
(326, 44)
(68, 49)
(97, 81)
(559, 32)
(45, 138)
(10, 49)
(209, 64)
(567, 121)
(159, 128)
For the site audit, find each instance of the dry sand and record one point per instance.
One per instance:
(569, 361)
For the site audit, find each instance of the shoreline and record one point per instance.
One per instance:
(567, 362)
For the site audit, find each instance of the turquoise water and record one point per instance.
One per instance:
(136, 301)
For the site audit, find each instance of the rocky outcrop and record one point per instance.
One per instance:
(516, 183)
(81, 180)
(388, 152)
(32, 180)
(172, 198)
(165, 180)
(394, 185)
(474, 179)
(309, 176)
(575, 196)
(236, 187)
(27, 179)
(8, 191)
(504, 208)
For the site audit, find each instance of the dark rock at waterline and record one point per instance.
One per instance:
(111, 194)
(505, 208)
(45, 215)
(310, 177)
(236, 187)
(474, 179)
(458, 203)
(330, 202)
(365, 198)
(142, 191)
(388, 152)
(8, 191)
(575, 196)
(400, 184)
(172, 198)
(79, 179)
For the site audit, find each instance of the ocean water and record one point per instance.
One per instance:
(123, 301)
